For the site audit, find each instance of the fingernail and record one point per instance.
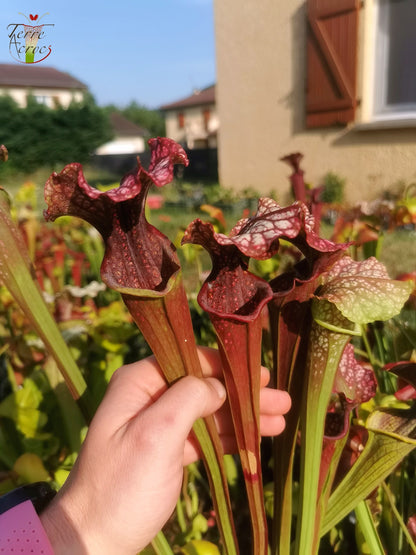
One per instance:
(219, 388)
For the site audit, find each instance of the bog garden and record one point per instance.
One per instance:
(321, 293)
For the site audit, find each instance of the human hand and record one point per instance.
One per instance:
(127, 479)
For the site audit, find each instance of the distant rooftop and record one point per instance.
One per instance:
(198, 98)
(34, 75)
(124, 127)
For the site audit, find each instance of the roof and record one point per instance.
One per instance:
(198, 98)
(33, 75)
(124, 127)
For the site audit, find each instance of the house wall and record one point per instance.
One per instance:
(64, 97)
(194, 126)
(122, 145)
(260, 94)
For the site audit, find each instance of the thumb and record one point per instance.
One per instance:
(175, 412)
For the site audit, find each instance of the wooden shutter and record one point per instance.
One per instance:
(331, 95)
(206, 114)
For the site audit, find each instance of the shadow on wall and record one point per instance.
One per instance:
(295, 100)
(357, 135)
(298, 56)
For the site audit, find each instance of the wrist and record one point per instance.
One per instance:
(60, 530)
(71, 530)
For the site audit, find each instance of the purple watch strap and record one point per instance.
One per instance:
(21, 531)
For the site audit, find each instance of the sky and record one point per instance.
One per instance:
(151, 51)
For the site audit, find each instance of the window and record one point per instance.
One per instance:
(206, 114)
(42, 99)
(395, 60)
(181, 120)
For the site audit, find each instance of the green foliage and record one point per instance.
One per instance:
(38, 136)
(152, 121)
(334, 187)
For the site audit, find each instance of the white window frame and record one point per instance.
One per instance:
(43, 99)
(374, 87)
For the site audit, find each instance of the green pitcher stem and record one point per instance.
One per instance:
(316, 400)
(290, 342)
(161, 546)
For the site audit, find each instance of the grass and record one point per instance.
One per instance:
(12, 181)
(398, 251)
(172, 221)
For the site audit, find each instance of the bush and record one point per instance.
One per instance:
(334, 186)
(39, 136)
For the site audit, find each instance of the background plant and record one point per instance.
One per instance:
(100, 335)
(39, 136)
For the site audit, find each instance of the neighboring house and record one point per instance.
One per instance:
(129, 138)
(193, 121)
(119, 155)
(48, 85)
(333, 79)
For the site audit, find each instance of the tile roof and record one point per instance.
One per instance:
(124, 127)
(33, 75)
(198, 98)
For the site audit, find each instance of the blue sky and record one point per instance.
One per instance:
(150, 51)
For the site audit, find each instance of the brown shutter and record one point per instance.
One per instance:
(331, 96)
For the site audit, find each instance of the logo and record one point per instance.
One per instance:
(28, 44)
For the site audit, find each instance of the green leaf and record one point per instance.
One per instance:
(395, 422)
(22, 407)
(17, 274)
(231, 471)
(368, 528)
(30, 468)
(363, 291)
(8, 451)
(324, 354)
(72, 419)
(160, 545)
(200, 547)
(392, 436)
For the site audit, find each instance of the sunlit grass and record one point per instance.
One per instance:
(398, 252)
(12, 181)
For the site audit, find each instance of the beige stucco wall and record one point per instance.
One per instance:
(260, 102)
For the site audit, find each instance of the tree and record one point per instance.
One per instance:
(150, 120)
(39, 136)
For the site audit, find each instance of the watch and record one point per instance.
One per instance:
(21, 529)
(39, 493)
